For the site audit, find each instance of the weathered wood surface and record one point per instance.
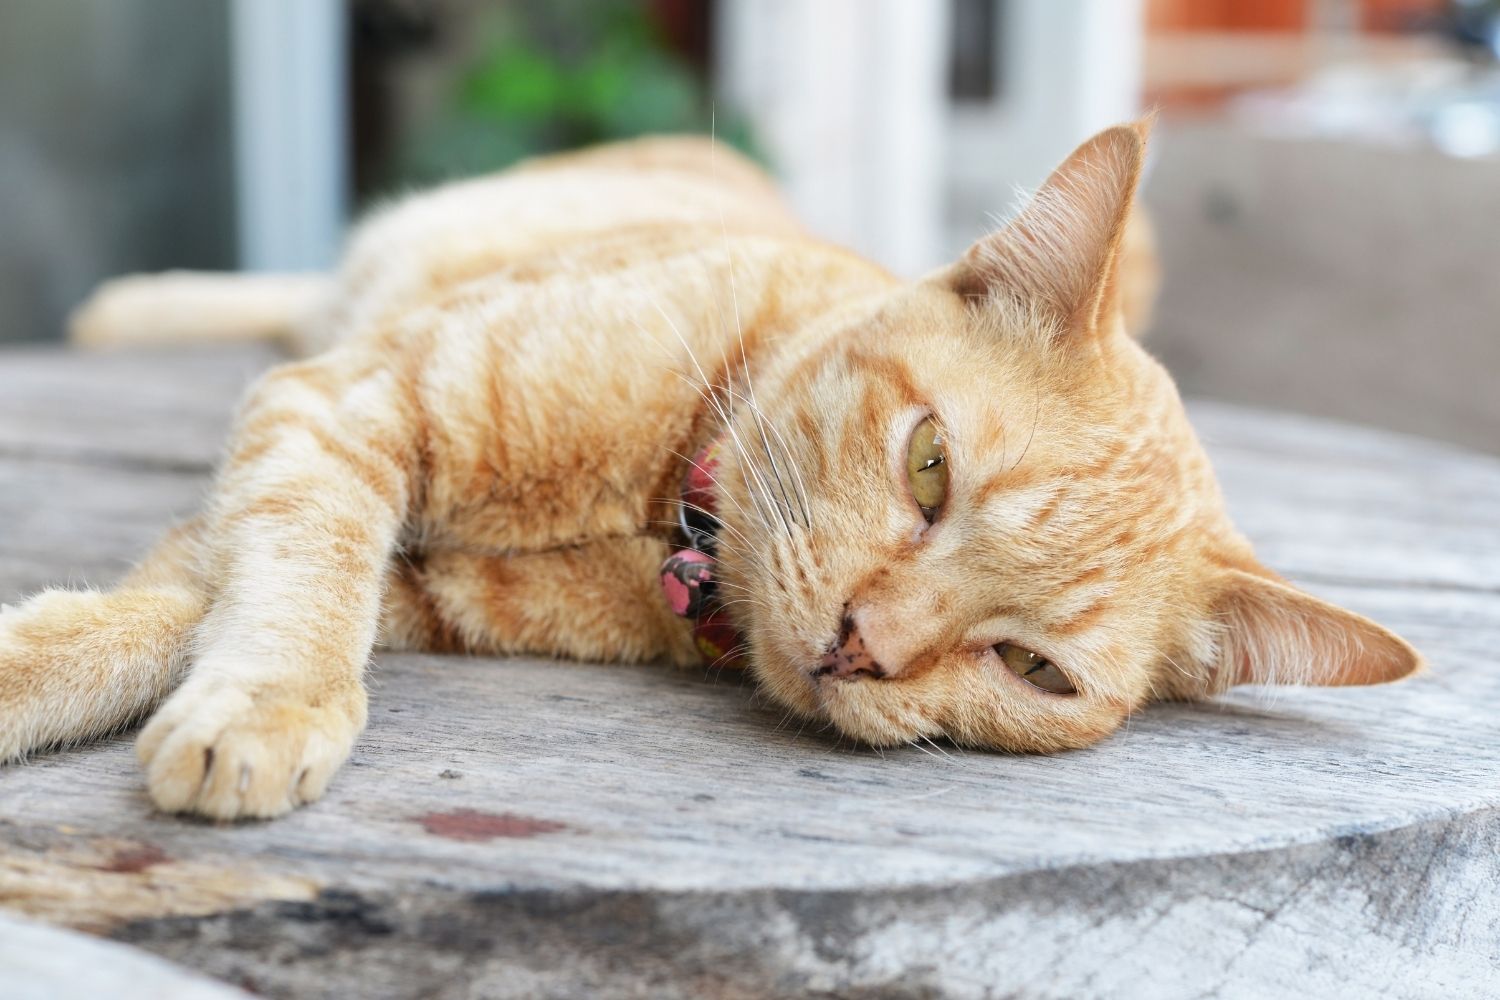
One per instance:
(522, 828)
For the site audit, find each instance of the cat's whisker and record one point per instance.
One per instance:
(940, 750)
(761, 492)
(781, 512)
(725, 547)
(765, 445)
(723, 662)
(756, 486)
(744, 362)
(786, 450)
(689, 505)
(1036, 413)
(915, 745)
(1177, 666)
(759, 484)
(760, 426)
(752, 601)
(711, 478)
(693, 357)
(741, 588)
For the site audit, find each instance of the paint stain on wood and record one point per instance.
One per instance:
(133, 860)
(476, 826)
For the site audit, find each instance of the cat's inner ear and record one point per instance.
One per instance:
(1058, 255)
(1274, 633)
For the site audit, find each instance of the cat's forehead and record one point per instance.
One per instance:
(1005, 383)
(1027, 415)
(1043, 441)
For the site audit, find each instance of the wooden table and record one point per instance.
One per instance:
(514, 828)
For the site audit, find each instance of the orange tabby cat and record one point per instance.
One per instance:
(969, 506)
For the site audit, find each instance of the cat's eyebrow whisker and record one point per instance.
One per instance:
(1036, 412)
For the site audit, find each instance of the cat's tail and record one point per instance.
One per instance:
(190, 306)
(79, 664)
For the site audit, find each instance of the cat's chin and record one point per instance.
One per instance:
(859, 709)
(865, 710)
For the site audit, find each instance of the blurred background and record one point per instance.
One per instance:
(1325, 175)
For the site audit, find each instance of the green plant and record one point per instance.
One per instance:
(557, 75)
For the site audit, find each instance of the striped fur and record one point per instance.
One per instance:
(484, 451)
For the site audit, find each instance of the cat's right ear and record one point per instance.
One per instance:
(1273, 633)
(1058, 256)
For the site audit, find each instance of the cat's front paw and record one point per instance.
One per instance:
(224, 752)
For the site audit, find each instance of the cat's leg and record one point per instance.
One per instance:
(305, 516)
(77, 665)
(599, 601)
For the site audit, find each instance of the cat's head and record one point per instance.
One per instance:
(979, 510)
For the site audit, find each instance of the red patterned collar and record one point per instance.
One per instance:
(687, 575)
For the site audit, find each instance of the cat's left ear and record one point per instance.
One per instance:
(1273, 633)
(1060, 254)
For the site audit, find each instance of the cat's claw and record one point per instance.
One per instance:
(223, 753)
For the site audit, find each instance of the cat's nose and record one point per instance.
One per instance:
(849, 657)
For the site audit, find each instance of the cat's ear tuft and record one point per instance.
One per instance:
(1274, 633)
(1058, 255)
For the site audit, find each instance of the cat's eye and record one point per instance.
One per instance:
(927, 468)
(1035, 670)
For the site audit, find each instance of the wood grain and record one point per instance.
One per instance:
(530, 828)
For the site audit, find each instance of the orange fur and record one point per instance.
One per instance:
(486, 455)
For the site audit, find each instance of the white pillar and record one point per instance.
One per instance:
(1068, 68)
(849, 99)
(290, 123)
(1077, 69)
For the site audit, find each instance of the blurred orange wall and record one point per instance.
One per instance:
(1280, 15)
(1227, 15)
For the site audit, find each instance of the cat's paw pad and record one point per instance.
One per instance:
(220, 752)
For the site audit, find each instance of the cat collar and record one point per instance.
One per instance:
(687, 575)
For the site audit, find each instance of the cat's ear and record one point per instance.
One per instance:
(1059, 254)
(1273, 633)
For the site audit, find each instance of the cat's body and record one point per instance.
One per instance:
(488, 454)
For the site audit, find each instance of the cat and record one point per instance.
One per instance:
(968, 506)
